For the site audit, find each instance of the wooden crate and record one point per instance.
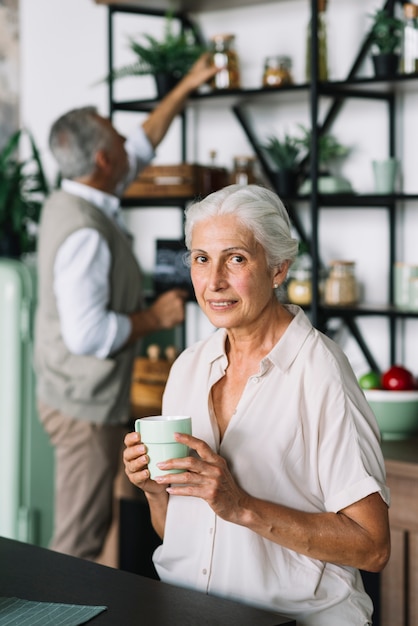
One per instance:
(177, 181)
(149, 378)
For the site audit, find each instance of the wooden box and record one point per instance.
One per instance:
(149, 378)
(177, 181)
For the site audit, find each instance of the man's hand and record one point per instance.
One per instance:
(158, 122)
(167, 311)
(168, 308)
(201, 72)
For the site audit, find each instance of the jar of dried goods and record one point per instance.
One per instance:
(341, 286)
(299, 289)
(243, 171)
(226, 59)
(277, 71)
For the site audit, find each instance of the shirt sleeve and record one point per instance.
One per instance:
(81, 288)
(140, 154)
(348, 430)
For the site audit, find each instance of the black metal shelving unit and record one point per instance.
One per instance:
(338, 91)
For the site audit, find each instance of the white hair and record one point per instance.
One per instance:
(258, 209)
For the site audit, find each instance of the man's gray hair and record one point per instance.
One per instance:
(74, 140)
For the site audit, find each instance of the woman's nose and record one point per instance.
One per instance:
(217, 277)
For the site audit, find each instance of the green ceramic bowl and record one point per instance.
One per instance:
(396, 412)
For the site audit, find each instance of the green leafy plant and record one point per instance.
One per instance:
(386, 32)
(283, 153)
(23, 188)
(329, 148)
(173, 55)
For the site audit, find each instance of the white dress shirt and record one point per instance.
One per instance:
(303, 436)
(82, 267)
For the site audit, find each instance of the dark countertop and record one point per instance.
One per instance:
(403, 450)
(401, 459)
(34, 573)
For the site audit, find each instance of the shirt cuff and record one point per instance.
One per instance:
(140, 146)
(140, 153)
(357, 492)
(119, 330)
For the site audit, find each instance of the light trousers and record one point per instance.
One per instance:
(87, 458)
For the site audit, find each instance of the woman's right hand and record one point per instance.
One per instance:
(136, 465)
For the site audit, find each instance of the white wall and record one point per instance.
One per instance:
(64, 52)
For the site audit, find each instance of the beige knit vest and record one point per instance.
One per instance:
(83, 387)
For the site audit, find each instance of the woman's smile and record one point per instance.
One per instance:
(221, 304)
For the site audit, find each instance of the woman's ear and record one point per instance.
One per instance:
(280, 273)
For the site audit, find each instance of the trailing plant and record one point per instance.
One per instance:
(386, 32)
(283, 153)
(23, 188)
(173, 55)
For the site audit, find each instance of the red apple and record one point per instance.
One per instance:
(398, 378)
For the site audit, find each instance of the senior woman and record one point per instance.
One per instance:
(283, 498)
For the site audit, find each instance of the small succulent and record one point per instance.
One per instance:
(386, 32)
(173, 55)
(329, 148)
(283, 153)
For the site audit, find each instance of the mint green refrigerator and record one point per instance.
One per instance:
(26, 456)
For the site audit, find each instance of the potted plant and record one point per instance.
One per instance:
(330, 151)
(167, 60)
(23, 188)
(385, 39)
(284, 154)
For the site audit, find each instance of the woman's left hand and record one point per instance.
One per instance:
(207, 477)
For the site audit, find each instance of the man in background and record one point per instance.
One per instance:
(91, 313)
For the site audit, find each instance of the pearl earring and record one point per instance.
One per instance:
(275, 286)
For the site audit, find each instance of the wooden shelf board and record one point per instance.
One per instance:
(193, 6)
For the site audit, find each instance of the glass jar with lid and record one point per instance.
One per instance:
(226, 59)
(341, 286)
(409, 58)
(299, 288)
(277, 71)
(243, 171)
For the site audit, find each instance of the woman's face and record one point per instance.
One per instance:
(231, 279)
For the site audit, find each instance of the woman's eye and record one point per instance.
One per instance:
(237, 258)
(200, 259)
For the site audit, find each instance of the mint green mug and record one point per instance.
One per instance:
(157, 433)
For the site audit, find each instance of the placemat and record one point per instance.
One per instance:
(19, 612)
